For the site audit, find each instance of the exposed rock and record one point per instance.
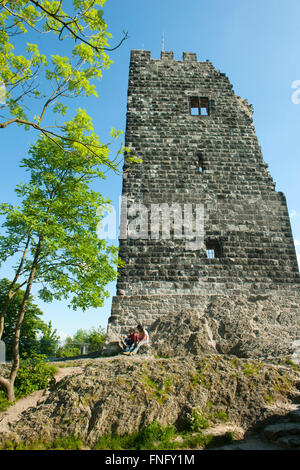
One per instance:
(274, 431)
(255, 327)
(124, 394)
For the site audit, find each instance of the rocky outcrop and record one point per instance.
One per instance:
(226, 359)
(245, 326)
(124, 394)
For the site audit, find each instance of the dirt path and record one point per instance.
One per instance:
(13, 413)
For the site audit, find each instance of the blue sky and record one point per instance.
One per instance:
(255, 42)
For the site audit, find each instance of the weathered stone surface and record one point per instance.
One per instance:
(274, 431)
(257, 326)
(254, 327)
(124, 394)
(295, 416)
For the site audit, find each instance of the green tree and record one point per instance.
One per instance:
(53, 232)
(94, 338)
(32, 326)
(48, 343)
(39, 84)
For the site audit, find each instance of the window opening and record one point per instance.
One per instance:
(200, 165)
(199, 106)
(213, 249)
(204, 106)
(194, 106)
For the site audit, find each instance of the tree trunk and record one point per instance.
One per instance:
(10, 293)
(15, 349)
(8, 384)
(8, 388)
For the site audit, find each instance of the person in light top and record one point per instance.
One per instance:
(143, 339)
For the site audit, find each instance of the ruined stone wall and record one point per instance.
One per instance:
(243, 213)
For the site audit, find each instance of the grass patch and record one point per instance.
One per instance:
(152, 437)
(219, 415)
(207, 441)
(62, 443)
(294, 366)
(252, 368)
(159, 390)
(4, 403)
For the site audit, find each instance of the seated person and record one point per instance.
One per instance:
(143, 339)
(130, 341)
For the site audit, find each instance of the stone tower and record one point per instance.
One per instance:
(199, 149)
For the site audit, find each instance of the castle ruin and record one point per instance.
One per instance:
(199, 151)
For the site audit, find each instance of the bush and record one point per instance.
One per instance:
(155, 436)
(197, 420)
(68, 351)
(33, 374)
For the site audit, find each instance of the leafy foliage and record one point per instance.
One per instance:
(4, 403)
(197, 420)
(69, 75)
(31, 325)
(134, 441)
(38, 85)
(36, 335)
(158, 437)
(53, 232)
(48, 343)
(59, 213)
(153, 436)
(61, 443)
(94, 338)
(34, 374)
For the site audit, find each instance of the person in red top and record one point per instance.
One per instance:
(130, 341)
(143, 339)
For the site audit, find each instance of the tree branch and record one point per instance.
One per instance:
(49, 134)
(24, 19)
(65, 25)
